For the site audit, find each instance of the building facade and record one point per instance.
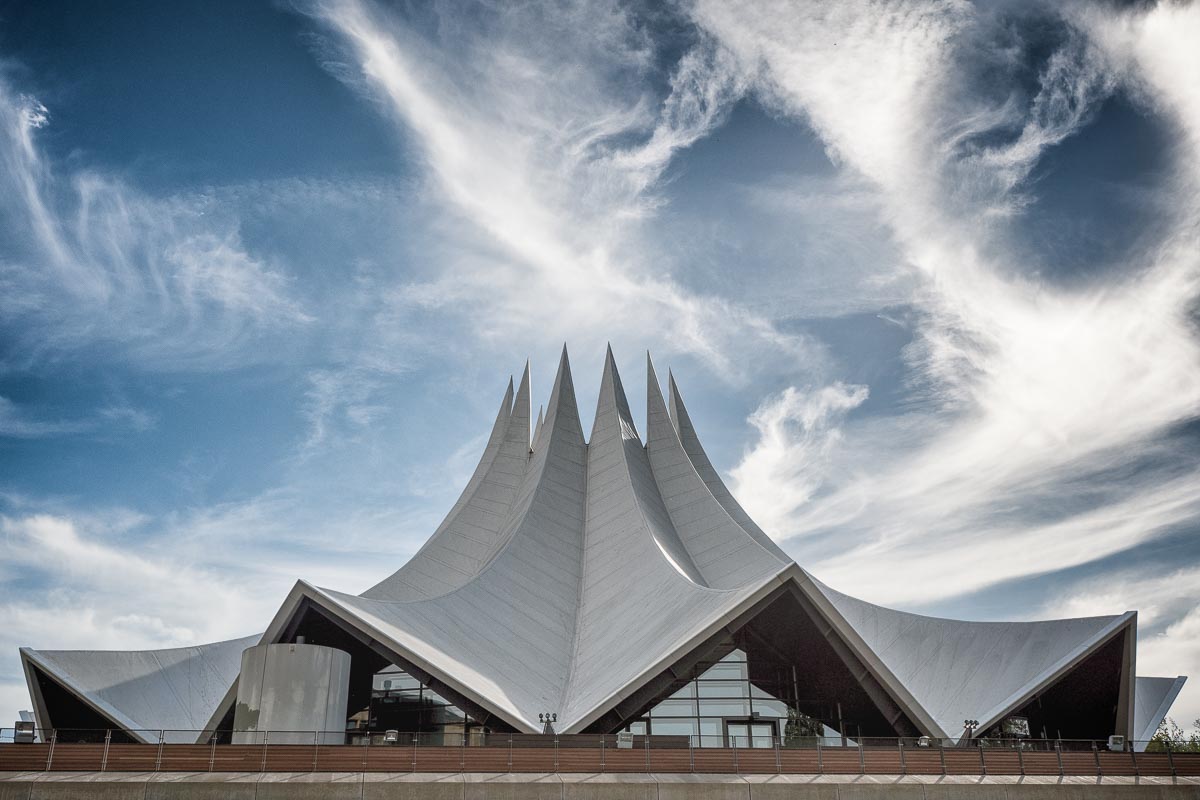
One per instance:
(613, 583)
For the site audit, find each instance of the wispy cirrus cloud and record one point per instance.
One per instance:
(19, 422)
(1042, 431)
(544, 144)
(91, 260)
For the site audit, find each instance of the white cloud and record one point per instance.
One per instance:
(1028, 389)
(797, 434)
(92, 260)
(546, 158)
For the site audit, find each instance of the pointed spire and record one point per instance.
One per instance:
(658, 422)
(563, 409)
(679, 415)
(518, 422)
(708, 473)
(504, 412)
(612, 400)
(537, 429)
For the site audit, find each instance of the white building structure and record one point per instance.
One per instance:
(615, 582)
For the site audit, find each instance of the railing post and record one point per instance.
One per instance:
(266, 738)
(1021, 758)
(414, 757)
(691, 755)
(778, 760)
(107, 742)
(462, 752)
(212, 752)
(162, 737)
(982, 761)
(736, 767)
(603, 765)
(50, 752)
(1170, 758)
(1096, 753)
(862, 758)
(646, 740)
(942, 754)
(903, 764)
(510, 752)
(820, 759)
(1133, 758)
(1058, 752)
(556, 752)
(316, 748)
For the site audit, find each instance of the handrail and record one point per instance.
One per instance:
(114, 750)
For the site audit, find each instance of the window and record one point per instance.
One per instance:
(402, 703)
(721, 707)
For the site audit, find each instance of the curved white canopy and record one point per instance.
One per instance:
(570, 573)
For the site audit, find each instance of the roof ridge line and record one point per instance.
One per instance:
(612, 380)
(656, 405)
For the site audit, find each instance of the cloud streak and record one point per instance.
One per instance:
(1042, 431)
(92, 260)
(551, 181)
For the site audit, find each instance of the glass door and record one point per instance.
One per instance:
(749, 733)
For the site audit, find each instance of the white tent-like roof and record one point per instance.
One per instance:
(572, 573)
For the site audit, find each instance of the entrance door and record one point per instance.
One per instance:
(749, 733)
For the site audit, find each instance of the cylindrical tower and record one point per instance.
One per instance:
(292, 694)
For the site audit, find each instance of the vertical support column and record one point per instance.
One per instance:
(50, 752)
(104, 758)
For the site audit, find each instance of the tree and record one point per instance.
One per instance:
(1169, 734)
(801, 730)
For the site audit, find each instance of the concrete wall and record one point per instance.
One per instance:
(286, 692)
(406, 786)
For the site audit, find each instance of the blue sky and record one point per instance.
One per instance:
(928, 276)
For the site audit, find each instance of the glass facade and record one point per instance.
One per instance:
(723, 706)
(401, 703)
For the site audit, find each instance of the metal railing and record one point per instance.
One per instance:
(325, 751)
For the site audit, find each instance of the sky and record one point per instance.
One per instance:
(927, 273)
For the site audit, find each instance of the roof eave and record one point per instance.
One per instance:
(31, 659)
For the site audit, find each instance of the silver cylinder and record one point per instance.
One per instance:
(292, 694)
